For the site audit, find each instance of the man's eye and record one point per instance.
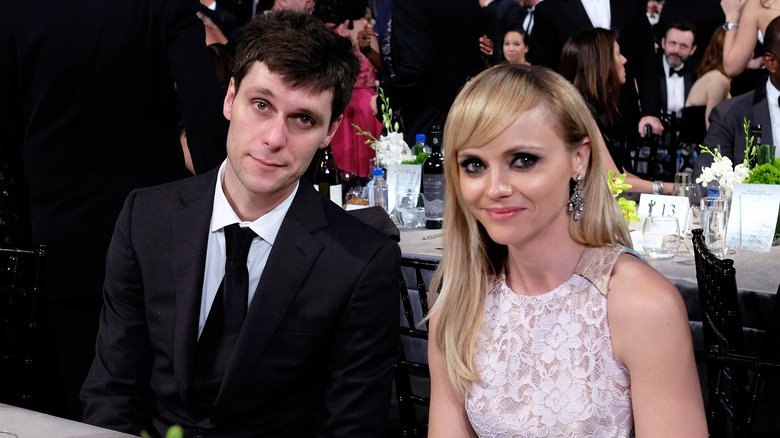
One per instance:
(305, 120)
(524, 161)
(261, 106)
(472, 165)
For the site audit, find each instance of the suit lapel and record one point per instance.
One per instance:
(761, 114)
(190, 228)
(575, 10)
(294, 252)
(662, 84)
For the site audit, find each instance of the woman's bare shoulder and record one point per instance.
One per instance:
(636, 287)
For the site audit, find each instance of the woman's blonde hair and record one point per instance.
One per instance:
(485, 107)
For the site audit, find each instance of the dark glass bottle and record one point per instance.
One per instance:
(326, 177)
(433, 182)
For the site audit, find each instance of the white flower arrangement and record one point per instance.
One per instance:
(391, 147)
(723, 171)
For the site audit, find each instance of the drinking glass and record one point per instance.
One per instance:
(410, 210)
(714, 218)
(661, 237)
(682, 184)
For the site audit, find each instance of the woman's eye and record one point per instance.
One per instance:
(472, 165)
(524, 161)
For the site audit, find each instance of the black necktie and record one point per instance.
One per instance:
(530, 25)
(675, 72)
(225, 317)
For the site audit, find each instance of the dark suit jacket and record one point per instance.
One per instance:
(435, 50)
(689, 77)
(555, 21)
(90, 99)
(726, 130)
(315, 354)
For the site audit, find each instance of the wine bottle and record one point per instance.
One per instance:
(433, 182)
(326, 177)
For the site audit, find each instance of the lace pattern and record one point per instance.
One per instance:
(547, 364)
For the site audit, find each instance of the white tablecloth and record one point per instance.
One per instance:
(30, 424)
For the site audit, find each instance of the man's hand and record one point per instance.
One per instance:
(654, 122)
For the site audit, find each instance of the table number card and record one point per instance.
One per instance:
(753, 216)
(662, 205)
(400, 179)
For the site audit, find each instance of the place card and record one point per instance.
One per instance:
(663, 205)
(401, 178)
(753, 216)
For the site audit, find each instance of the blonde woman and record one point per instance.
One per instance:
(544, 325)
(746, 22)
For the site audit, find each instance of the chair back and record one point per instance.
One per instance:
(411, 373)
(20, 292)
(731, 388)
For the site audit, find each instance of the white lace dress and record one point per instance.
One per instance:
(546, 363)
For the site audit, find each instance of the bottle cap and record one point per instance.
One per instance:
(420, 138)
(377, 171)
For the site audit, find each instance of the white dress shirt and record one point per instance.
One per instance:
(772, 94)
(599, 12)
(675, 90)
(222, 215)
(528, 21)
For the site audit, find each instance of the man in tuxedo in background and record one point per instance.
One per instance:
(308, 349)
(435, 50)
(555, 21)
(675, 72)
(761, 106)
(92, 99)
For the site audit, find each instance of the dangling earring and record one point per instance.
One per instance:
(577, 199)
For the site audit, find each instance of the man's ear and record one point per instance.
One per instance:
(227, 105)
(693, 49)
(331, 131)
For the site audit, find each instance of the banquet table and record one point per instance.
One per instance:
(30, 424)
(758, 277)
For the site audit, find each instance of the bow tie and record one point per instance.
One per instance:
(675, 72)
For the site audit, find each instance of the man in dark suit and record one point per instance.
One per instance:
(90, 102)
(435, 50)
(760, 106)
(557, 20)
(315, 352)
(674, 73)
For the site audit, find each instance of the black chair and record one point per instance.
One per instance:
(20, 293)
(654, 156)
(411, 373)
(734, 377)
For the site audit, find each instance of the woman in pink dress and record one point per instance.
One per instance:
(350, 150)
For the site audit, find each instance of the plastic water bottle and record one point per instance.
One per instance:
(420, 146)
(377, 196)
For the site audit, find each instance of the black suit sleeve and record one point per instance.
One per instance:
(117, 388)
(411, 43)
(640, 34)
(359, 387)
(719, 135)
(199, 89)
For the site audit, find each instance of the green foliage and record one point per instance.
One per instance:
(418, 159)
(174, 431)
(617, 185)
(765, 174)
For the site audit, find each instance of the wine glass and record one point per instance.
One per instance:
(661, 237)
